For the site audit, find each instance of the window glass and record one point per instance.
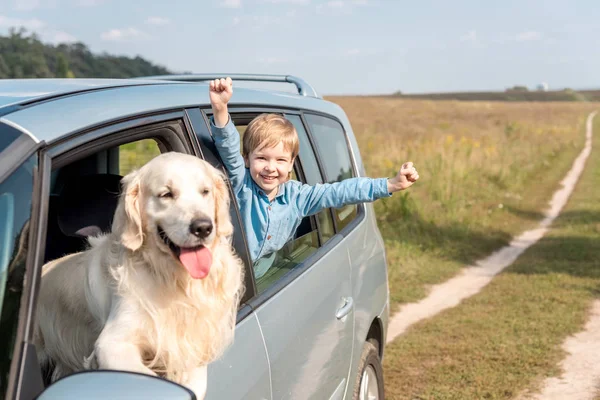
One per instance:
(277, 264)
(133, 155)
(312, 174)
(330, 139)
(15, 212)
(84, 195)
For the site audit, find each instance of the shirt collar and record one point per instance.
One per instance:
(280, 196)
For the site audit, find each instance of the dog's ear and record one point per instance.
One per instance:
(128, 219)
(222, 217)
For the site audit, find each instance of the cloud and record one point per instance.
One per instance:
(528, 36)
(335, 4)
(62, 37)
(353, 52)
(26, 5)
(340, 6)
(231, 3)
(32, 24)
(89, 3)
(470, 36)
(300, 2)
(118, 35)
(40, 28)
(258, 21)
(159, 21)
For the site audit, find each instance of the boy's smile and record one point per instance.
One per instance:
(270, 167)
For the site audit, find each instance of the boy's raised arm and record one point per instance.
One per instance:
(227, 138)
(313, 199)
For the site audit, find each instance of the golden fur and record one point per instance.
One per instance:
(127, 303)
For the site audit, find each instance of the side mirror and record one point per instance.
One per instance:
(115, 385)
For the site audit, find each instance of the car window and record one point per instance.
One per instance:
(330, 139)
(133, 155)
(91, 183)
(305, 241)
(15, 212)
(312, 174)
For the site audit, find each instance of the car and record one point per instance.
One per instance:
(313, 327)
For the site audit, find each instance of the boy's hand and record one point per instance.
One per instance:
(220, 91)
(406, 177)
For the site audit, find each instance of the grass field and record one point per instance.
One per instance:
(486, 172)
(505, 340)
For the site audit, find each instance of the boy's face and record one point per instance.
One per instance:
(270, 167)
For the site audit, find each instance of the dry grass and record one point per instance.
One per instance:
(505, 340)
(487, 170)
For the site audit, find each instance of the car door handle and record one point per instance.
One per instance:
(346, 308)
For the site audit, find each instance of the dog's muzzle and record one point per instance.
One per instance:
(197, 260)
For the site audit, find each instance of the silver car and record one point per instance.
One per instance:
(313, 327)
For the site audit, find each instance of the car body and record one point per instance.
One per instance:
(308, 330)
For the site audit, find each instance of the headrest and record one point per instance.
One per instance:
(87, 204)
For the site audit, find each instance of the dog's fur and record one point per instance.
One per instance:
(127, 303)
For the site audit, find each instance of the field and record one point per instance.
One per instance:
(512, 95)
(487, 171)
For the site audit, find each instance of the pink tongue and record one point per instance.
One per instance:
(197, 262)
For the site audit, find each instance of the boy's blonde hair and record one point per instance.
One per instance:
(268, 130)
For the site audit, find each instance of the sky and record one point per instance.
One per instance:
(340, 46)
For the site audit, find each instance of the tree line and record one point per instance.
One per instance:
(23, 55)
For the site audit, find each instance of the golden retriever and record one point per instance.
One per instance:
(157, 295)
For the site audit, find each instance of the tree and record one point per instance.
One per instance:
(4, 70)
(62, 67)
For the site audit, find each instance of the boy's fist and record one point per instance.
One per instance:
(404, 179)
(220, 91)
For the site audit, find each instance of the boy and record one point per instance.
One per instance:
(271, 205)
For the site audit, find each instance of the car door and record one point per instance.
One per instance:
(307, 318)
(246, 359)
(303, 304)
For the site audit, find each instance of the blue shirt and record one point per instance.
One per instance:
(270, 224)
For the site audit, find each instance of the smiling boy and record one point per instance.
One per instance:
(271, 205)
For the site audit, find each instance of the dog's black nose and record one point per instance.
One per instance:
(201, 227)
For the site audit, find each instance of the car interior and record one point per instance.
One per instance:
(83, 199)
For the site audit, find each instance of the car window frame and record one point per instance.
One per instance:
(134, 128)
(360, 211)
(24, 354)
(259, 298)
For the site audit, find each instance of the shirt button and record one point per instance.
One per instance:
(269, 208)
(269, 237)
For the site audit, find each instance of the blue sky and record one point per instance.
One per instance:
(340, 46)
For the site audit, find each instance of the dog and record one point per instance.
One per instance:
(159, 293)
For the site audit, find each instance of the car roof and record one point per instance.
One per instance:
(52, 109)
(23, 91)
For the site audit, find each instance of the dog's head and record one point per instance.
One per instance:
(178, 204)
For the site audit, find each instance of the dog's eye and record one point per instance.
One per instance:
(166, 195)
(205, 192)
